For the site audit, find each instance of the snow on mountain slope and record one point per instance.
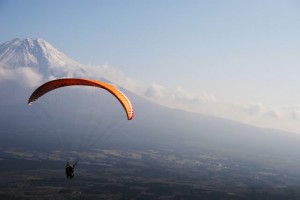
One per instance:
(34, 60)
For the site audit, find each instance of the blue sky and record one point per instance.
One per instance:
(242, 53)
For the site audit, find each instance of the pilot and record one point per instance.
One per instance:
(70, 169)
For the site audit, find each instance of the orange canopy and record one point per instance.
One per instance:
(64, 82)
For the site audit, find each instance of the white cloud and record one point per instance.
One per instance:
(25, 76)
(258, 114)
(255, 109)
(30, 77)
(156, 91)
(294, 112)
(183, 95)
(272, 114)
(115, 76)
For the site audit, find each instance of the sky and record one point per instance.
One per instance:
(233, 59)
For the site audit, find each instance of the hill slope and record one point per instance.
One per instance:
(84, 118)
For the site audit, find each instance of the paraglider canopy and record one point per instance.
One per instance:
(64, 82)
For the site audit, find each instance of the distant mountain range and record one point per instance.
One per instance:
(85, 118)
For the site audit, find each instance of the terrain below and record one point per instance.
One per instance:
(148, 174)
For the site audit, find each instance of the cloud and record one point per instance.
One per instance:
(255, 109)
(155, 91)
(257, 114)
(25, 76)
(272, 114)
(175, 98)
(183, 95)
(261, 110)
(115, 76)
(294, 112)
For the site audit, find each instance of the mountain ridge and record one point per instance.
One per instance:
(154, 126)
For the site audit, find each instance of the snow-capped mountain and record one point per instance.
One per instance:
(36, 56)
(32, 62)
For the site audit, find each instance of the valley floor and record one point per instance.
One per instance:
(164, 174)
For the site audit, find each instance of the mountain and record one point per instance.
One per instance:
(38, 55)
(73, 118)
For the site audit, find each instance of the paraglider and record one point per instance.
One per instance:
(70, 170)
(65, 82)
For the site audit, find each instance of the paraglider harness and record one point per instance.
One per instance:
(70, 169)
